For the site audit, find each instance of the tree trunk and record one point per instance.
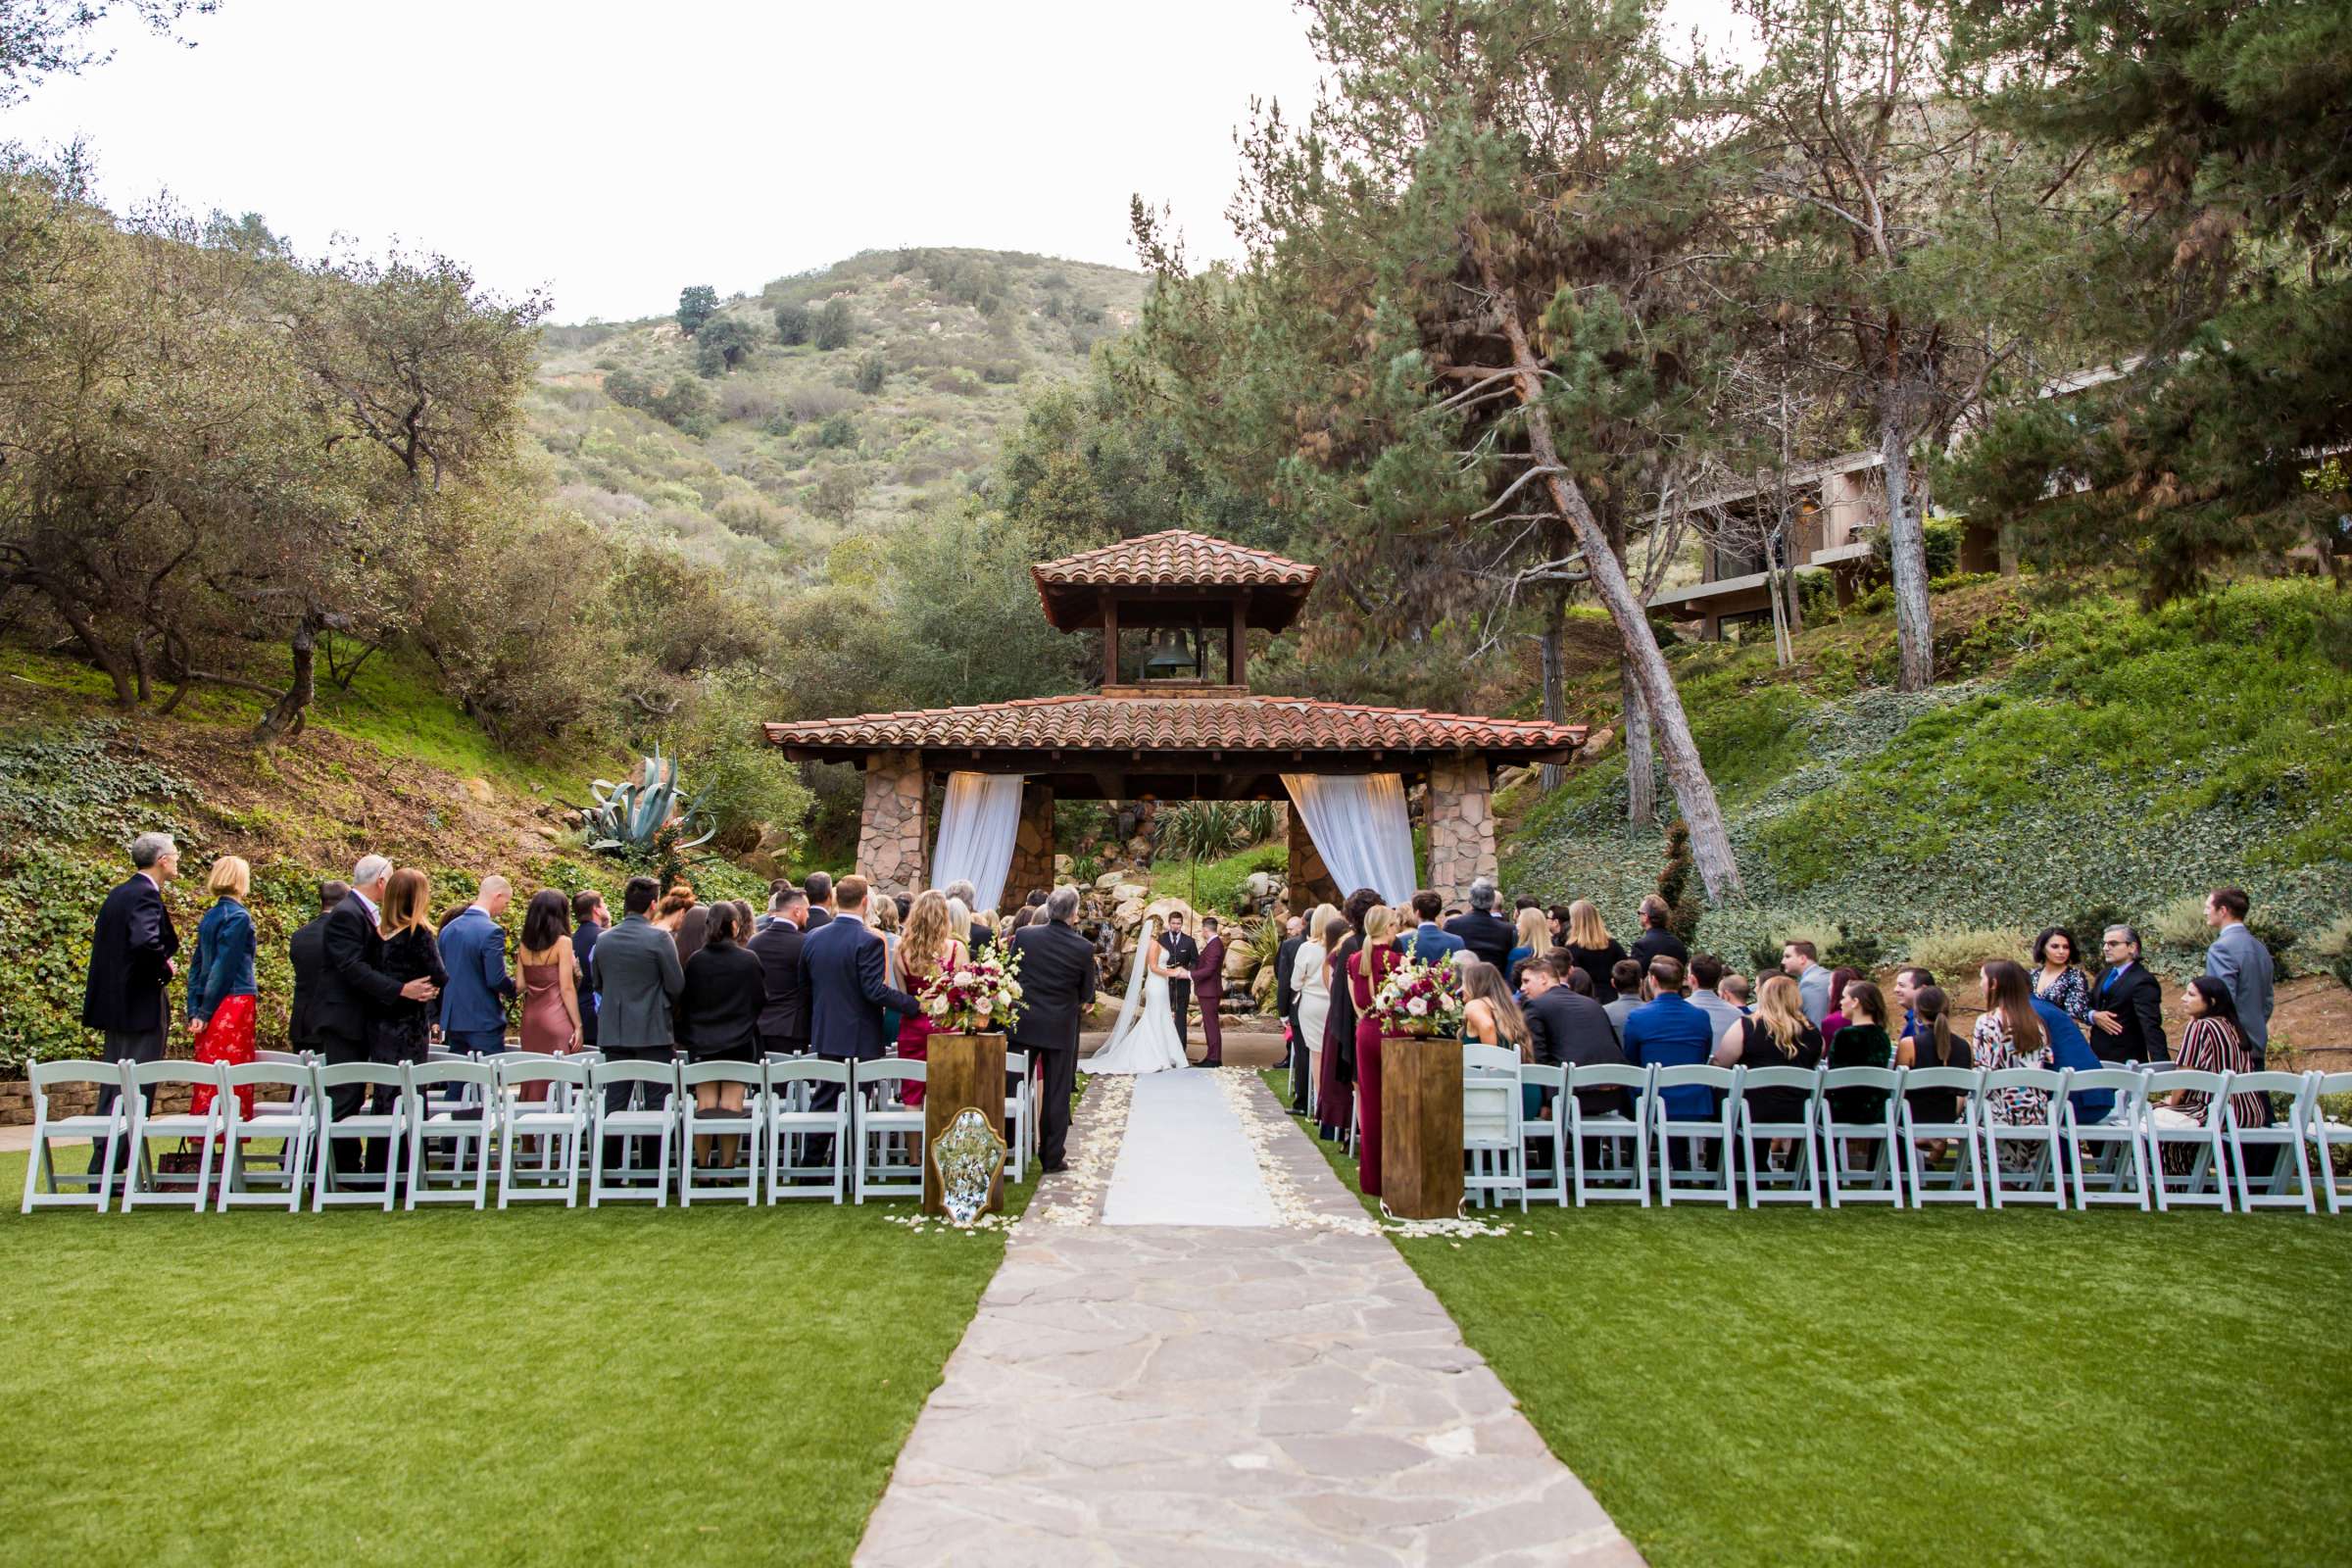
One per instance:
(1555, 681)
(285, 716)
(1640, 758)
(1776, 585)
(86, 632)
(1710, 841)
(2005, 544)
(1907, 542)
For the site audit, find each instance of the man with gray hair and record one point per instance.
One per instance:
(131, 951)
(981, 933)
(355, 989)
(1058, 980)
(1488, 935)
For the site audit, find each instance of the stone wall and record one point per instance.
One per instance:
(1309, 878)
(1461, 827)
(1032, 848)
(891, 831)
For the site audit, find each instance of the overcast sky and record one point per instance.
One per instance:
(615, 152)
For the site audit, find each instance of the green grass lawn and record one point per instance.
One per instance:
(1941, 1386)
(714, 1386)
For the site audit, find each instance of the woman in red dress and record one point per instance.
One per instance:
(221, 995)
(1367, 969)
(928, 945)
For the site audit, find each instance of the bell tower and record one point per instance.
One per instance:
(1174, 609)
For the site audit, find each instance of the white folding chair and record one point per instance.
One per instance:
(1882, 1181)
(1965, 1182)
(467, 1122)
(884, 1127)
(275, 1185)
(560, 1121)
(1018, 1119)
(1546, 1128)
(2108, 1154)
(1612, 1177)
(2042, 1180)
(388, 1129)
(792, 1082)
(2328, 1133)
(43, 1182)
(2165, 1126)
(140, 1186)
(655, 1085)
(2285, 1135)
(1799, 1181)
(1697, 1131)
(1493, 1143)
(741, 1181)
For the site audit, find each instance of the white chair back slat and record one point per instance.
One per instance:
(1878, 1138)
(1927, 1139)
(1781, 1156)
(1609, 1152)
(1696, 1133)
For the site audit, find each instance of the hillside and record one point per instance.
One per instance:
(2081, 760)
(761, 465)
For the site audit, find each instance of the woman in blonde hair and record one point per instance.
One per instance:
(1591, 949)
(1778, 1034)
(221, 994)
(932, 944)
(1535, 936)
(1308, 980)
(1368, 968)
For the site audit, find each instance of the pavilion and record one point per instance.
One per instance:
(1174, 610)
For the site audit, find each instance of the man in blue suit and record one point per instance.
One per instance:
(474, 950)
(842, 978)
(1423, 937)
(1671, 1033)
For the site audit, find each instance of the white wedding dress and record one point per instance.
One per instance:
(1145, 1039)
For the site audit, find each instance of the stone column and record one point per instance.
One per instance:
(1032, 847)
(1309, 878)
(890, 832)
(1461, 815)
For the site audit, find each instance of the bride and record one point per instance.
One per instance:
(1146, 1038)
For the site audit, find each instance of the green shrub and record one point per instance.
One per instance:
(2331, 947)
(792, 324)
(1954, 953)
(834, 325)
(870, 371)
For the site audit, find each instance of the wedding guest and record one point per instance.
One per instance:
(1930, 1043)
(1656, 938)
(589, 918)
(1484, 933)
(1490, 1017)
(637, 976)
(1740, 992)
(2127, 1002)
(1778, 1034)
(306, 954)
(1309, 978)
(1534, 937)
(2242, 964)
(1622, 985)
(783, 1006)
(976, 933)
(1286, 1009)
(2056, 980)
(1058, 979)
(357, 989)
(718, 1018)
(1834, 1019)
(931, 946)
(841, 970)
(473, 951)
(131, 952)
(2213, 1041)
(1368, 968)
(1566, 1028)
(882, 918)
(903, 903)
(1861, 1041)
(402, 1029)
(1798, 962)
(1706, 976)
(685, 919)
(1668, 1032)
(2068, 1048)
(221, 994)
(1557, 916)
(767, 916)
(2010, 1035)
(1335, 1088)
(1592, 950)
(552, 1022)
(820, 887)
(1019, 919)
(1909, 982)
(1429, 938)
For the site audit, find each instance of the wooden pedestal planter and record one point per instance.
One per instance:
(1421, 1126)
(962, 1070)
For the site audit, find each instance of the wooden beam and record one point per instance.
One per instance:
(1110, 640)
(1237, 650)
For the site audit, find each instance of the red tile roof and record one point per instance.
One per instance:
(1176, 556)
(1091, 722)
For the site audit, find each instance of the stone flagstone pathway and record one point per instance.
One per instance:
(1269, 1384)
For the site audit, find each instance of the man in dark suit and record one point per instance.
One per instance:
(589, 918)
(842, 976)
(784, 1006)
(355, 988)
(1182, 956)
(1059, 981)
(1655, 940)
(1208, 981)
(819, 888)
(306, 950)
(637, 977)
(1286, 1003)
(131, 951)
(2127, 1021)
(1488, 935)
(1568, 1030)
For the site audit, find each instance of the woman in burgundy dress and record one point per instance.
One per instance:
(1367, 969)
(551, 981)
(929, 945)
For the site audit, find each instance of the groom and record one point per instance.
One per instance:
(1057, 989)
(1183, 958)
(1209, 975)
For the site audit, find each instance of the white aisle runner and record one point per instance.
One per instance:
(1185, 1159)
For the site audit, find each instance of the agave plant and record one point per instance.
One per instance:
(1204, 830)
(628, 816)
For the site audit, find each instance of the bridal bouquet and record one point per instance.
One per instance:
(979, 996)
(1421, 997)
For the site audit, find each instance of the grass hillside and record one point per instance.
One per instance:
(2081, 760)
(762, 466)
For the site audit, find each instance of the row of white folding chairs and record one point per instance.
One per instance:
(467, 1107)
(2114, 1159)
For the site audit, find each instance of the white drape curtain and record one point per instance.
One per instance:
(1360, 828)
(976, 828)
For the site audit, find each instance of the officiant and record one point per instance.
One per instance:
(1184, 956)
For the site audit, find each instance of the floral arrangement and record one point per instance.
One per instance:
(979, 996)
(1421, 998)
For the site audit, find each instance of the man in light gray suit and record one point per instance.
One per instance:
(2242, 964)
(636, 971)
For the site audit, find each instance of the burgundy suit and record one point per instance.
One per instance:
(1208, 983)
